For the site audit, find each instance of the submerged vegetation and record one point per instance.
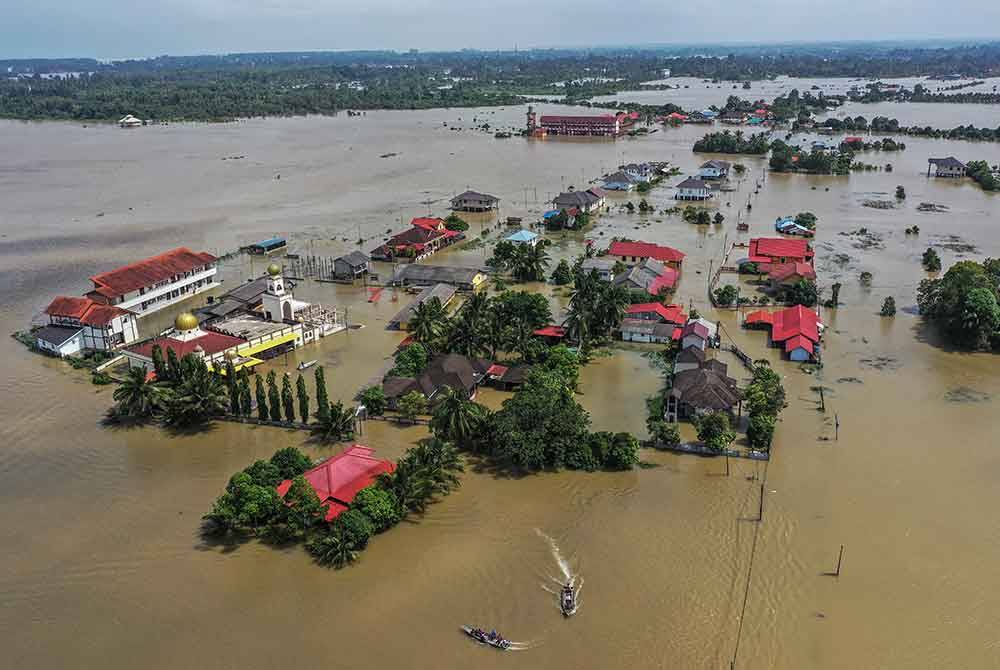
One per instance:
(963, 304)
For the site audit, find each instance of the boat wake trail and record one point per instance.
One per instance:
(566, 574)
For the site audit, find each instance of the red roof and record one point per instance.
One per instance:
(666, 280)
(646, 250)
(496, 370)
(677, 115)
(561, 118)
(782, 271)
(794, 321)
(84, 310)
(338, 479)
(211, 343)
(427, 223)
(761, 317)
(551, 331)
(799, 342)
(667, 313)
(767, 249)
(149, 271)
(854, 140)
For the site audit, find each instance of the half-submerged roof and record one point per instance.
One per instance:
(949, 162)
(355, 259)
(694, 183)
(476, 196)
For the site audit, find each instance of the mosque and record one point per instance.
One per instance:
(282, 324)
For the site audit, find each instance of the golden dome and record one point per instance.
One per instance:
(185, 321)
(274, 269)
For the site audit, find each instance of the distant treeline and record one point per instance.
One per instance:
(879, 93)
(244, 85)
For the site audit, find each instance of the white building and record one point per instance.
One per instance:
(693, 189)
(149, 285)
(129, 122)
(714, 169)
(98, 327)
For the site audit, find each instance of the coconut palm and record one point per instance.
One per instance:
(467, 334)
(137, 397)
(335, 548)
(530, 263)
(410, 486)
(456, 418)
(337, 425)
(439, 463)
(200, 396)
(428, 322)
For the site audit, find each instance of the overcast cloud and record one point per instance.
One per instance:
(141, 28)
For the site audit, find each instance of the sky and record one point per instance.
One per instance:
(144, 28)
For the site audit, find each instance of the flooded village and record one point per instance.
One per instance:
(288, 245)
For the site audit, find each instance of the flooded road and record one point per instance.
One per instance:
(103, 563)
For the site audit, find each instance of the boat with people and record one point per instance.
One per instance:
(567, 600)
(492, 638)
(305, 365)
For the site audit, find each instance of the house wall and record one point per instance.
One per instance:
(693, 341)
(693, 194)
(154, 298)
(71, 346)
(799, 355)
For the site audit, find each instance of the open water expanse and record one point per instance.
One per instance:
(103, 564)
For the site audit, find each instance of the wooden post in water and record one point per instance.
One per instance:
(836, 427)
(822, 400)
(840, 559)
(760, 509)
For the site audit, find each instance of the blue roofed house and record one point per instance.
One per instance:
(524, 238)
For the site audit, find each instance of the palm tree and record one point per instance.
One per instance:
(137, 397)
(456, 418)
(335, 426)
(494, 332)
(428, 322)
(439, 463)
(612, 301)
(199, 397)
(467, 335)
(531, 263)
(335, 548)
(410, 486)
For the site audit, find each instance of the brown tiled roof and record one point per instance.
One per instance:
(705, 389)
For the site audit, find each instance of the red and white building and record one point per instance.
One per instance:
(797, 330)
(80, 324)
(338, 479)
(766, 252)
(149, 285)
(601, 125)
(632, 253)
(425, 236)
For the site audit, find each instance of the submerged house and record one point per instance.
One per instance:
(269, 246)
(646, 330)
(797, 330)
(443, 292)
(768, 251)
(426, 236)
(693, 188)
(339, 478)
(461, 373)
(650, 276)
(946, 167)
(94, 326)
(350, 266)
(586, 201)
(471, 201)
(657, 312)
(604, 267)
(707, 388)
(464, 279)
(714, 169)
(524, 238)
(783, 276)
(619, 181)
(631, 253)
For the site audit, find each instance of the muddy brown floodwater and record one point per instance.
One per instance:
(103, 564)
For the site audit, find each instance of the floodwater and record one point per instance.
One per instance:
(103, 563)
(694, 93)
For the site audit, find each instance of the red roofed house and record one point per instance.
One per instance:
(786, 275)
(338, 479)
(425, 236)
(150, 285)
(768, 251)
(96, 326)
(631, 253)
(656, 311)
(796, 329)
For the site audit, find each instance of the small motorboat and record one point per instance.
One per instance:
(567, 600)
(305, 365)
(493, 638)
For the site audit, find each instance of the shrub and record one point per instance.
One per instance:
(760, 431)
(357, 527)
(379, 505)
(290, 462)
(623, 452)
(889, 307)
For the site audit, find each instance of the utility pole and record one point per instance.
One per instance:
(836, 427)
(840, 559)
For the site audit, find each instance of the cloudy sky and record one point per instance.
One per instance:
(140, 28)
